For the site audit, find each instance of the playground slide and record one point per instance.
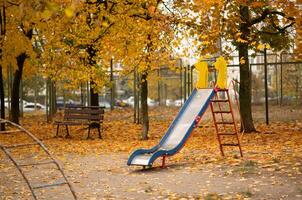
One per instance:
(178, 132)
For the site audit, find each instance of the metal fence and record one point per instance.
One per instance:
(171, 87)
(284, 87)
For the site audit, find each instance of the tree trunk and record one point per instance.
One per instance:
(94, 96)
(15, 111)
(2, 33)
(144, 105)
(2, 127)
(245, 75)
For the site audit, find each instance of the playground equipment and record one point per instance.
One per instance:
(48, 160)
(232, 131)
(190, 115)
(178, 132)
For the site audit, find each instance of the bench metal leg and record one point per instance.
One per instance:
(99, 130)
(88, 136)
(67, 131)
(57, 134)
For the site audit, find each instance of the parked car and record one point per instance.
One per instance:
(60, 102)
(6, 102)
(169, 102)
(178, 102)
(120, 103)
(130, 102)
(105, 104)
(152, 102)
(29, 106)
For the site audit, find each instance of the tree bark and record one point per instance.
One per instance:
(2, 33)
(15, 110)
(245, 75)
(2, 127)
(144, 105)
(94, 96)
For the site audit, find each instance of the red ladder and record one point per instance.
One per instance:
(219, 102)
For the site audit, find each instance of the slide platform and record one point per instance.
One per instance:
(178, 132)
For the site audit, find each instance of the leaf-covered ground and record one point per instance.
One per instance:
(270, 169)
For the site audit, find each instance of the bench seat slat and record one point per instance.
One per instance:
(70, 123)
(84, 111)
(83, 117)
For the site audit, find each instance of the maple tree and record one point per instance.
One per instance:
(146, 45)
(245, 24)
(136, 34)
(17, 44)
(76, 50)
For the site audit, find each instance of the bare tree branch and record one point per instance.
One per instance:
(13, 3)
(265, 14)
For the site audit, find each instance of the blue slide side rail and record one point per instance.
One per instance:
(175, 121)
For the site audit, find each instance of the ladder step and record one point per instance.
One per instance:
(38, 163)
(229, 144)
(224, 122)
(49, 185)
(222, 111)
(222, 90)
(219, 100)
(20, 145)
(227, 134)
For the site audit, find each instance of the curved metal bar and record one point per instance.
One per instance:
(19, 169)
(45, 150)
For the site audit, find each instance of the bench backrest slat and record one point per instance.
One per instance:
(84, 113)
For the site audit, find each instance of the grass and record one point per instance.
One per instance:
(300, 189)
(212, 196)
(247, 194)
(248, 167)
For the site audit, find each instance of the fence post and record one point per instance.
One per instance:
(9, 89)
(112, 86)
(180, 75)
(276, 74)
(158, 87)
(138, 98)
(47, 100)
(88, 93)
(191, 78)
(266, 86)
(21, 98)
(135, 96)
(185, 84)
(281, 79)
(189, 81)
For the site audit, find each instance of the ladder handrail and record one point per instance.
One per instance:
(236, 94)
(233, 122)
(35, 139)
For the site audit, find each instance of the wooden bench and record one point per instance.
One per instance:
(90, 116)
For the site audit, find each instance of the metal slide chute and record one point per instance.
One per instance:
(20, 166)
(178, 132)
